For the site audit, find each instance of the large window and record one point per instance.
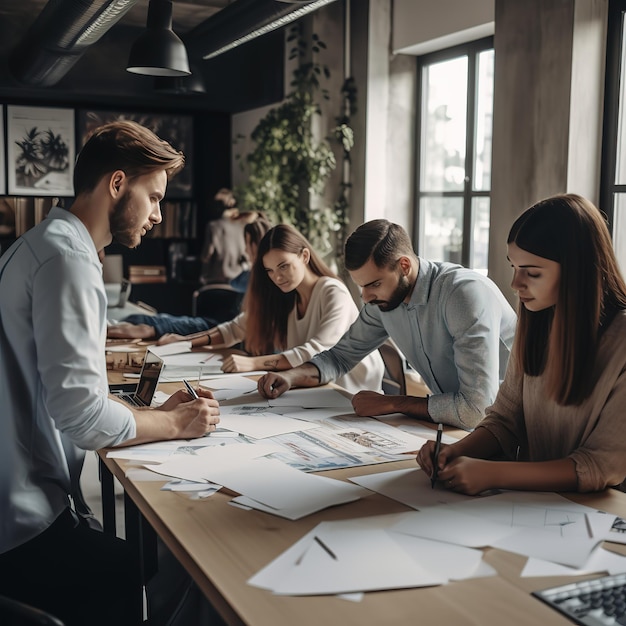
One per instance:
(454, 159)
(613, 184)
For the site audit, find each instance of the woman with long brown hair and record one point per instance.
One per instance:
(558, 419)
(294, 308)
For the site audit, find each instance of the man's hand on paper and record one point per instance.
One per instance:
(273, 384)
(193, 418)
(170, 338)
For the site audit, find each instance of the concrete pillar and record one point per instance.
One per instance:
(547, 109)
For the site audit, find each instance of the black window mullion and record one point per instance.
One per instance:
(612, 111)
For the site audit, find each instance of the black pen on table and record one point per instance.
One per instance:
(433, 480)
(190, 389)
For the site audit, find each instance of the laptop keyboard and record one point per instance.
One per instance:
(596, 602)
(129, 398)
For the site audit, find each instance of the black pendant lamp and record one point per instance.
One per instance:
(159, 51)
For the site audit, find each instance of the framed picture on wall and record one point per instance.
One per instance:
(41, 148)
(175, 129)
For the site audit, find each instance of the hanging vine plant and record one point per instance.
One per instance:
(289, 164)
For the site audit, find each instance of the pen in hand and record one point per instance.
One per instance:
(433, 480)
(190, 389)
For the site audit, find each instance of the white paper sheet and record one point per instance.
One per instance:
(600, 560)
(312, 399)
(367, 559)
(277, 485)
(409, 486)
(442, 523)
(263, 425)
(177, 347)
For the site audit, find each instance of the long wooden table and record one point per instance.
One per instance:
(222, 546)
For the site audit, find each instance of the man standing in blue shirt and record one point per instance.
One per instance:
(53, 383)
(452, 324)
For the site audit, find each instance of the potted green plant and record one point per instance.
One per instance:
(289, 167)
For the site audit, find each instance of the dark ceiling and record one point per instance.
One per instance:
(186, 14)
(100, 68)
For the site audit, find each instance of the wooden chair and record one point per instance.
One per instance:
(394, 380)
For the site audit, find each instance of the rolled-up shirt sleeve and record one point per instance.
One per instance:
(474, 326)
(365, 335)
(69, 320)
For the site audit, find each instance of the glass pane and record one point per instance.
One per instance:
(444, 105)
(484, 121)
(620, 169)
(619, 230)
(479, 254)
(442, 229)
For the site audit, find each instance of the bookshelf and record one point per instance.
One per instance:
(19, 213)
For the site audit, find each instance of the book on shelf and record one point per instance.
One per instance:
(20, 213)
(147, 274)
(178, 220)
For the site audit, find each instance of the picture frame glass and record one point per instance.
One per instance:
(41, 149)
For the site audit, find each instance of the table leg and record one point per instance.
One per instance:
(107, 491)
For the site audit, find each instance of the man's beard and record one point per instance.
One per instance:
(401, 291)
(123, 223)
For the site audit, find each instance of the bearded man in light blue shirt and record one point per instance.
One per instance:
(453, 325)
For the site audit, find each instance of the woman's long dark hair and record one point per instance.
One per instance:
(267, 307)
(562, 341)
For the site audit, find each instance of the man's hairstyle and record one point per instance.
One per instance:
(125, 146)
(562, 341)
(381, 240)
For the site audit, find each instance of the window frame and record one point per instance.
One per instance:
(471, 50)
(610, 123)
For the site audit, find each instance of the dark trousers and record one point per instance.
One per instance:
(80, 575)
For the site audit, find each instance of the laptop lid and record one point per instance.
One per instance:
(149, 378)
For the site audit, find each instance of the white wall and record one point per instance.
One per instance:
(422, 26)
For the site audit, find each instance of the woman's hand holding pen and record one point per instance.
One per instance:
(426, 457)
(462, 474)
(470, 476)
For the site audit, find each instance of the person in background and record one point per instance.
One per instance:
(223, 253)
(54, 389)
(295, 307)
(558, 421)
(142, 326)
(453, 325)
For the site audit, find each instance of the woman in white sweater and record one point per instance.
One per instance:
(294, 308)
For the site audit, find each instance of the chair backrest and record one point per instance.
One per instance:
(394, 380)
(14, 613)
(217, 301)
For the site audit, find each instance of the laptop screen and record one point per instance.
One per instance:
(149, 379)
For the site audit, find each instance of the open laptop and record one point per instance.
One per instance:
(148, 381)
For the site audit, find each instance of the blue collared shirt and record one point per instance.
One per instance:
(53, 379)
(456, 331)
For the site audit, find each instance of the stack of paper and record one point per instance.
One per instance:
(365, 555)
